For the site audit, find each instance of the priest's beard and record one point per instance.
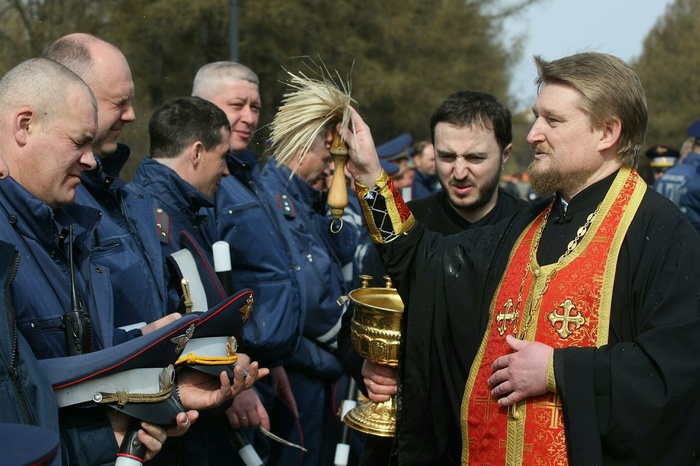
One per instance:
(552, 179)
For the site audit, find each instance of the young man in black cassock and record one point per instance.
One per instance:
(472, 135)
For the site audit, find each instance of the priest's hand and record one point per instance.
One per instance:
(380, 381)
(363, 163)
(521, 374)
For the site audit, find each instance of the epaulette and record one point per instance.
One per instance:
(286, 206)
(163, 225)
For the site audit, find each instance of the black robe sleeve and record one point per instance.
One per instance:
(635, 401)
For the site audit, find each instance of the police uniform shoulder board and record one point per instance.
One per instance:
(163, 225)
(286, 206)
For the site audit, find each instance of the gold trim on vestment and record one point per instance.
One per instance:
(516, 425)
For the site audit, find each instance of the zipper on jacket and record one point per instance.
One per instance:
(14, 376)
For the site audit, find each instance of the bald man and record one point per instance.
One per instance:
(127, 241)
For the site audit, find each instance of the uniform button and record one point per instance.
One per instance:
(98, 269)
(12, 218)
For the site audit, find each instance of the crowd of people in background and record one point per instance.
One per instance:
(94, 264)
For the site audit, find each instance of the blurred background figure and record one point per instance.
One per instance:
(662, 158)
(425, 179)
(396, 151)
(673, 183)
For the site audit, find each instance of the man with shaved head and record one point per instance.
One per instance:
(48, 121)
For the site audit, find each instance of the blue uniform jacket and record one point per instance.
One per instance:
(183, 204)
(304, 209)
(673, 183)
(26, 396)
(263, 258)
(126, 242)
(41, 293)
(424, 185)
(34, 228)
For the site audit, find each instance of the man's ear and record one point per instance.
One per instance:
(23, 125)
(196, 151)
(506, 153)
(610, 134)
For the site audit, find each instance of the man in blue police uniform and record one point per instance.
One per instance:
(189, 140)
(126, 244)
(425, 179)
(681, 183)
(396, 151)
(673, 183)
(314, 369)
(263, 255)
(662, 158)
(46, 144)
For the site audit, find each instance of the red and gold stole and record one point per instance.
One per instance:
(562, 304)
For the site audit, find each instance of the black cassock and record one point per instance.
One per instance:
(634, 401)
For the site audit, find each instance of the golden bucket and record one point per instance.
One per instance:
(376, 335)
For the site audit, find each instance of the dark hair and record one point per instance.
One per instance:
(183, 121)
(471, 108)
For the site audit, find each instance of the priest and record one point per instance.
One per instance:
(585, 305)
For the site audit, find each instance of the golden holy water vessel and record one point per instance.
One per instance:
(376, 335)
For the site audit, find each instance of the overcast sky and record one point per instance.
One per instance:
(556, 28)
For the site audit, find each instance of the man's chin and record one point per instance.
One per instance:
(104, 149)
(238, 146)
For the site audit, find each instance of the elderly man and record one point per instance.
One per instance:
(587, 302)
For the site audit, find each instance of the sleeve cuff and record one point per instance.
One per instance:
(385, 212)
(551, 380)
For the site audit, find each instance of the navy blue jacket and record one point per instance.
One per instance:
(41, 293)
(673, 183)
(126, 242)
(424, 185)
(35, 229)
(183, 204)
(304, 211)
(263, 258)
(26, 396)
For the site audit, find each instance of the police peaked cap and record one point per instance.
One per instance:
(121, 368)
(397, 148)
(694, 129)
(24, 444)
(662, 156)
(389, 168)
